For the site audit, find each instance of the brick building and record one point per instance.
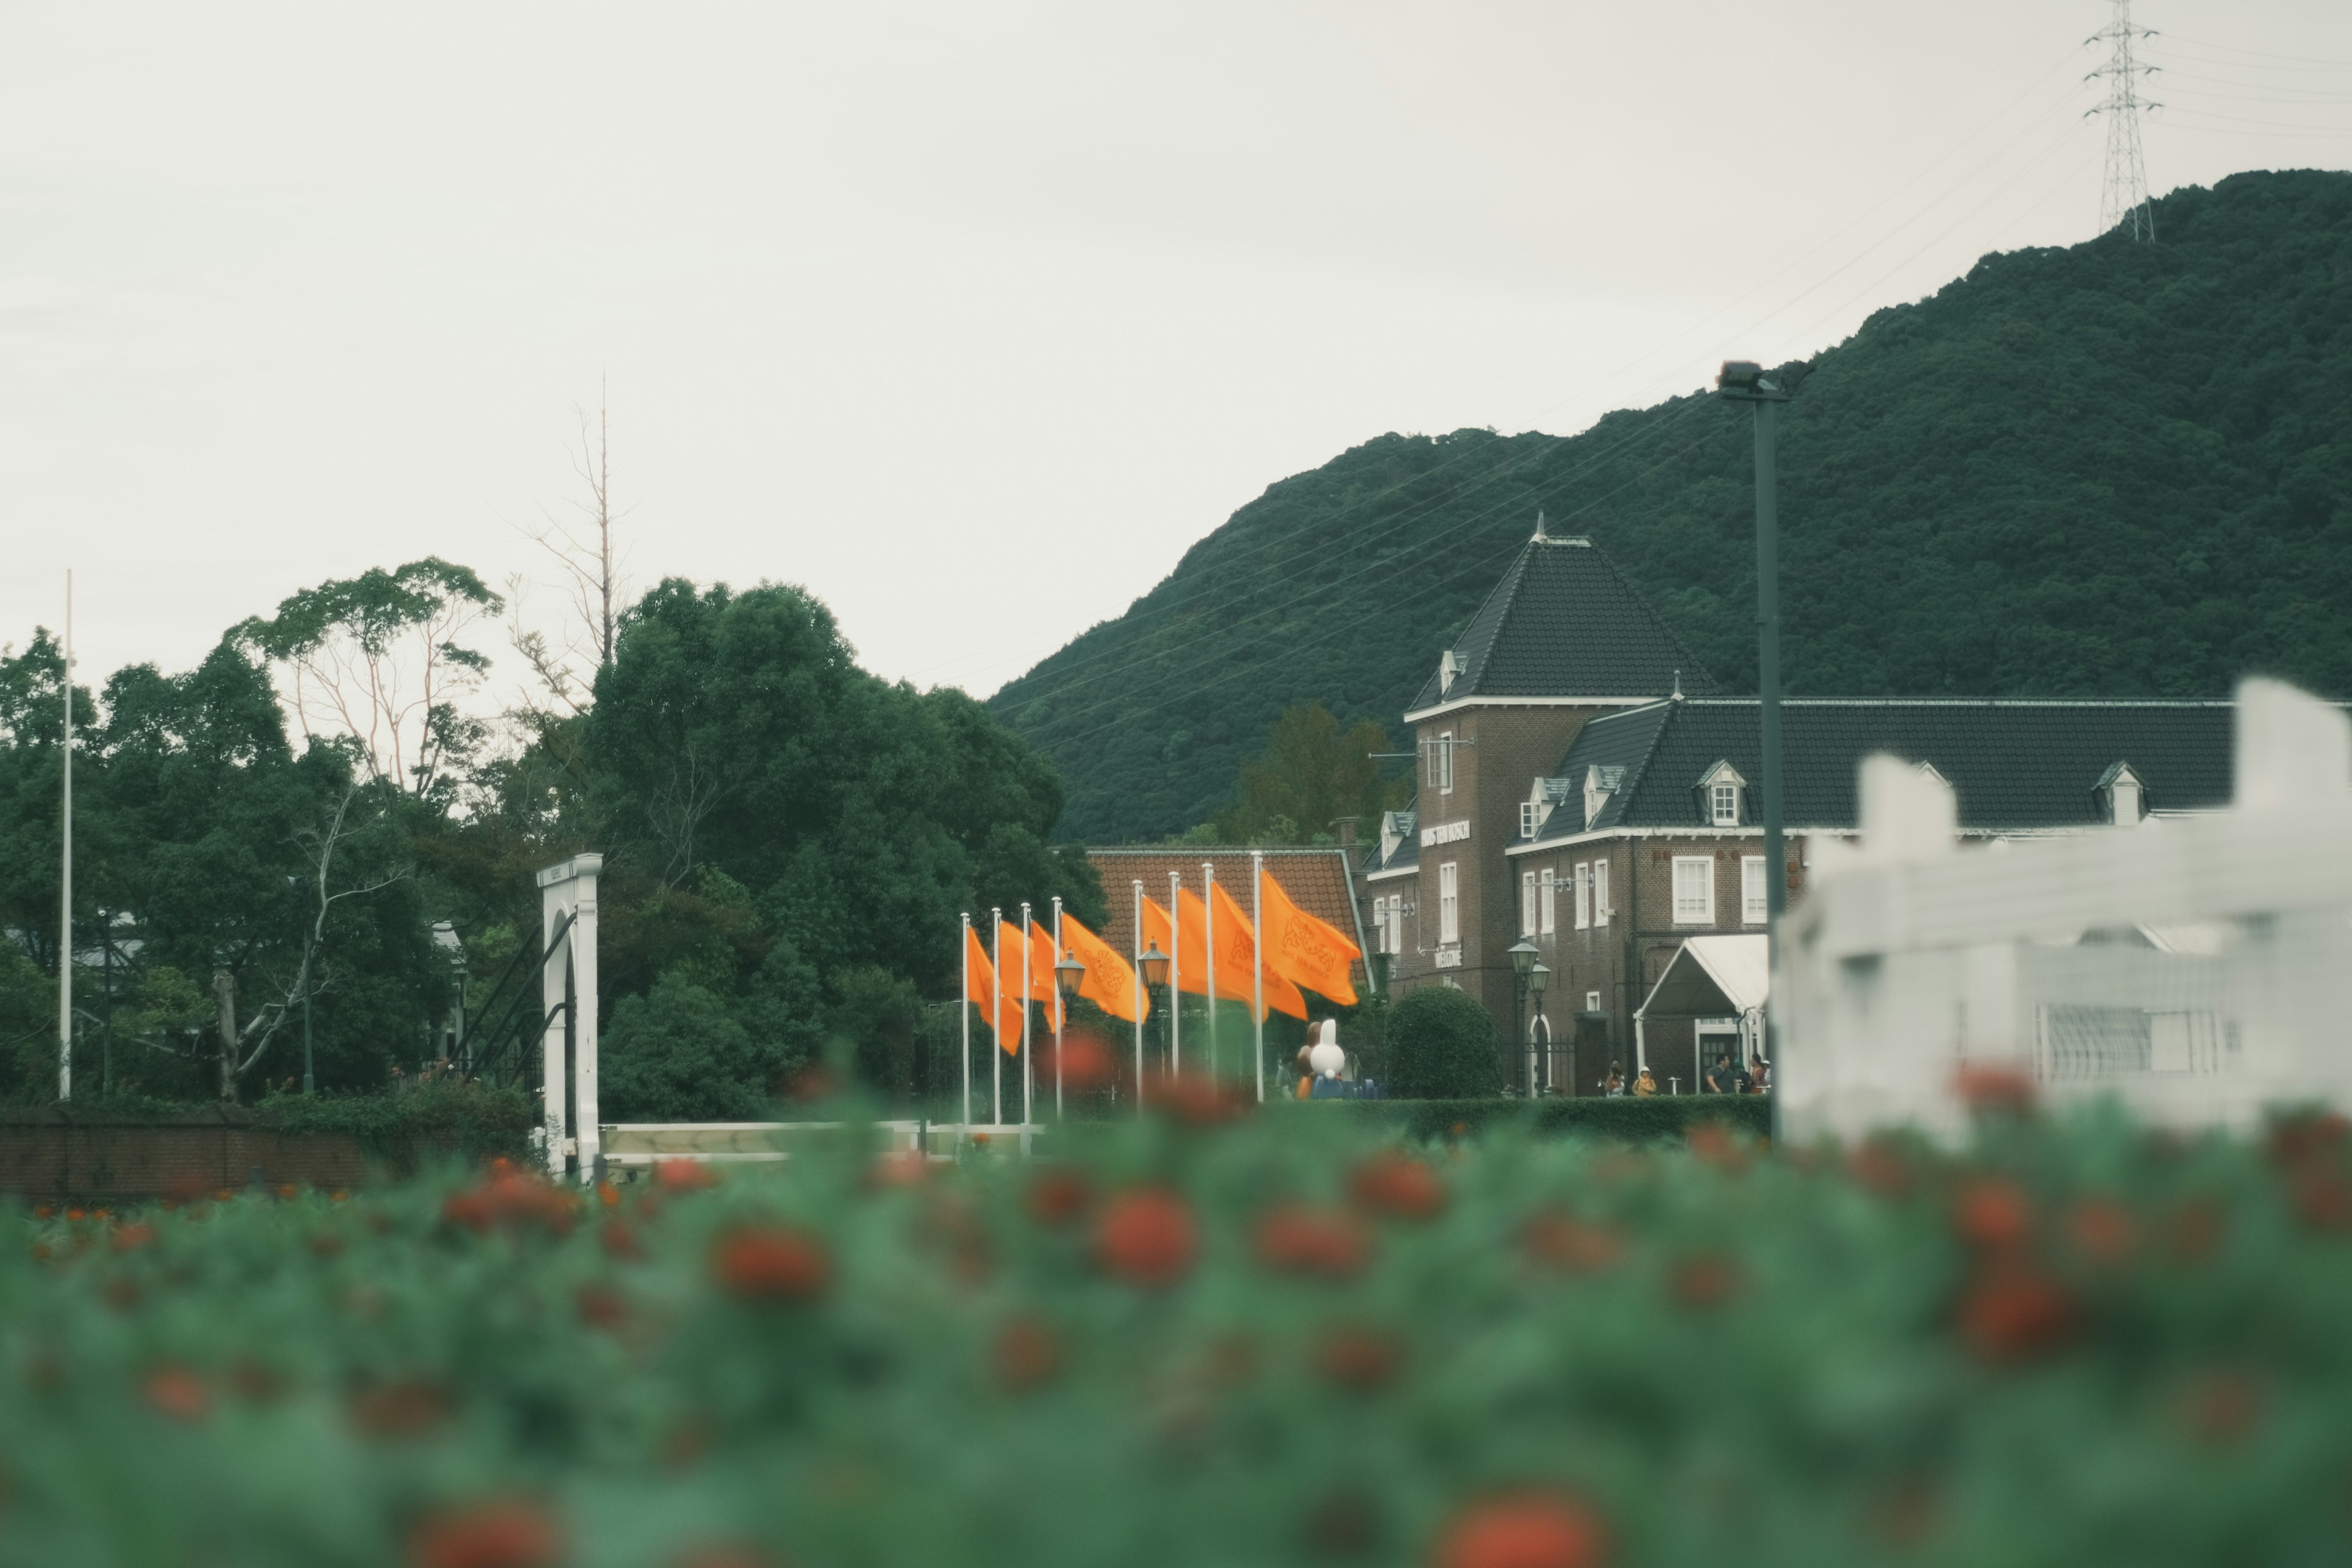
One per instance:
(1583, 786)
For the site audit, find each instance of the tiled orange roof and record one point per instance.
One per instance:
(1318, 880)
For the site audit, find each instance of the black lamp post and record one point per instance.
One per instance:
(1522, 954)
(1743, 381)
(1539, 977)
(1154, 964)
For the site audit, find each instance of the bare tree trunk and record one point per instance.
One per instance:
(224, 996)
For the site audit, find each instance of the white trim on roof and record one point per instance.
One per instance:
(1700, 830)
(1459, 703)
(1391, 873)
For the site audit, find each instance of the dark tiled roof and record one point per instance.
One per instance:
(1563, 622)
(2013, 764)
(1318, 880)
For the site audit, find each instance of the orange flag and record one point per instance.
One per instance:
(1237, 951)
(1041, 958)
(1157, 932)
(1110, 979)
(1301, 948)
(1042, 984)
(1233, 964)
(979, 989)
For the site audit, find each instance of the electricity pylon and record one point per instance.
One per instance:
(2124, 203)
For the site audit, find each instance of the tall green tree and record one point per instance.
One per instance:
(1311, 775)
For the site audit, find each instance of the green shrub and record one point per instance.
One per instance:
(1439, 1044)
(1261, 1341)
(440, 1118)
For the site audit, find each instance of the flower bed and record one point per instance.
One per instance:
(1267, 1339)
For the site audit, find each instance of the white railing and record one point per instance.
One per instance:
(2192, 967)
(630, 1144)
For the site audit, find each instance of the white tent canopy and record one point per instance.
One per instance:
(1711, 977)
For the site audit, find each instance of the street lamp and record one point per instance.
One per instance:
(1539, 977)
(1155, 967)
(1522, 955)
(1069, 974)
(1743, 381)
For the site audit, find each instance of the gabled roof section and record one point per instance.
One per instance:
(2014, 764)
(1565, 623)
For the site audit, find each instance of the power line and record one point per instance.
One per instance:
(2124, 198)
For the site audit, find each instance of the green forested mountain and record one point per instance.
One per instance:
(2113, 469)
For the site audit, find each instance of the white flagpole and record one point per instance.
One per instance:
(1139, 995)
(1257, 951)
(963, 1010)
(1175, 972)
(1028, 985)
(1061, 1005)
(65, 905)
(1209, 926)
(996, 1018)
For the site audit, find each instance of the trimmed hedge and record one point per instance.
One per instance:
(470, 1120)
(1629, 1120)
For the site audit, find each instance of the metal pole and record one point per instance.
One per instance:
(1768, 678)
(1061, 1006)
(1175, 972)
(1209, 930)
(1257, 951)
(65, 899)
(1139, 995)
(996, 1018)
(963, 1012)
(1028, 989)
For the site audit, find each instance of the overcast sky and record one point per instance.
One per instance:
(970, 317)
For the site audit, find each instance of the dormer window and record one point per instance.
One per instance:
(1600, 784)
(1449, 665)
(2123, 794)
(1722, 794)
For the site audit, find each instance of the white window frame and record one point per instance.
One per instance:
(1600, 910)
(1549, 890)
(1584, 876)
(1755, 892)
(1449, 903)
(1723, 803)
(1526, 903)
(1698, 908)
(1445, 761)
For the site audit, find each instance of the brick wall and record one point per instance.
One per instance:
(56, 1153)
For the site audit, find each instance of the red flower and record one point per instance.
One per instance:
(1995, 1089)
(1298, 1239)
(507, 1533)
(1991, 1214)
(2103, 1231)
(772, 1263)
(2014, 1314)
(131, 1237)
(1085, 1062)
(1398, 1185)
(1703, 1281)
(1526, 1530)
(1714, 1143)
(1357, 1359)
(1193, 1100)
(684, 1175)
(176, 1392)
(2323, 1201)
(510, 1199)
(1059, 1197)
(907, 1168)
(1880, 1166)
(1147, 1238)
(398, 1409)
(2306, 1137)
(1562, 1241)
(620, 1241)
(600, 1306)
(1025, 1353)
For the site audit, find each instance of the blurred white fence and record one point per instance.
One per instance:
(2197, 968)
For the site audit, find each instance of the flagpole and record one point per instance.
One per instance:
(1257, 980)
(996, 1019)
(1139, 995)
(1061, 1006)
(1209, 925)
(1175, 974)
(65, 905)
(1028, 995)
(963, 1008)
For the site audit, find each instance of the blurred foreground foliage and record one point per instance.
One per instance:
(1215, 1338)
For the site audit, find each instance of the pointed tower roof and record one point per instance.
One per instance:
(1562, 624)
